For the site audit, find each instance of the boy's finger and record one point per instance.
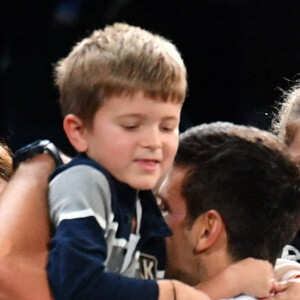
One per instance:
(280, 286)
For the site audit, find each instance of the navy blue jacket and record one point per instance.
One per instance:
(91, 213)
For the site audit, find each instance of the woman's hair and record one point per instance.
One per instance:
(6, 168)
(287, 114)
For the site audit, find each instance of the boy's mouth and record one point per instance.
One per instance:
(148, 164)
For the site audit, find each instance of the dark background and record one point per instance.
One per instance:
(239, 54)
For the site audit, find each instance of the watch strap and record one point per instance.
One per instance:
(35, 148)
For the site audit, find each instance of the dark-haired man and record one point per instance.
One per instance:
(232, 193)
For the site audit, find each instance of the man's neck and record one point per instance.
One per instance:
(214, 263)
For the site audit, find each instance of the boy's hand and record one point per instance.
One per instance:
(288, 290)
(254, 277)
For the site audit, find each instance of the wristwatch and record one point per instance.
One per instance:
(35, 148)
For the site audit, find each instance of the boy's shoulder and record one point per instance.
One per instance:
(83, 171)
(80, 160)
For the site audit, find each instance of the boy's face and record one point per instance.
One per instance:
(135, 138)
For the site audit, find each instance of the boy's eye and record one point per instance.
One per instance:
(130, 127)
(164, 128)
(168, 126)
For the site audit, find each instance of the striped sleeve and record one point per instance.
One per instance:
(79, 192)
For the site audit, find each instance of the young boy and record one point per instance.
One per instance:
(121, 92)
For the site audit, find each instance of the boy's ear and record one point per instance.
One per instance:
(210, 229)
(76, 132)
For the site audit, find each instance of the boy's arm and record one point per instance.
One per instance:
(249, 276)
(80, 209)
(176, 290)
(82, 262)
(24, 231)
(76, 269)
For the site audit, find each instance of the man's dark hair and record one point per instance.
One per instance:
(244, 174)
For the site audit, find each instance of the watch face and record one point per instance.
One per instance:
(35, 148)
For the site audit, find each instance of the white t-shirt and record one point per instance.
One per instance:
(241, 297)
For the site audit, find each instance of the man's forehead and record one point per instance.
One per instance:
(172, 182)
(162, 187)
(170, 194)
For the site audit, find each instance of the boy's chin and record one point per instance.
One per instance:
(143, 185)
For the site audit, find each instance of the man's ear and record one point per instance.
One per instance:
(75, 131)
(210, 227)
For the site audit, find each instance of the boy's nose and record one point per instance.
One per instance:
(152, 139)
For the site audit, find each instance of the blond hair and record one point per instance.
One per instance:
(120, 59)
(288, 114)
(6, 165)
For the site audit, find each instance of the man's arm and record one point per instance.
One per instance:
(24, 231)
